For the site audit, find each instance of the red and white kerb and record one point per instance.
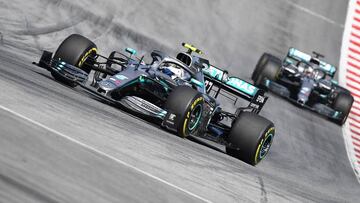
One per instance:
(349, 77)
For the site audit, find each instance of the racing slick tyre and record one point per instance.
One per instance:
(75, 50)
(268, 67)
(188, 106)
(250, 138)
(343, 103)
(265, 57)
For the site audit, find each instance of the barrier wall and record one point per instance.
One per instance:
(349, 77)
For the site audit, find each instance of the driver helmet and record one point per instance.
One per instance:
(309, 69)
(173, 71)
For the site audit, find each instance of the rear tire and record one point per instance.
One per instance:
(268, 67)
(75, 50)
(343, 103)
(261, 62)
(188, 106)
(250, 138)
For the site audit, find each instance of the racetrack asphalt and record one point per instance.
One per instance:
(59, 145)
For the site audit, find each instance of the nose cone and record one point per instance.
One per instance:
(107, 85)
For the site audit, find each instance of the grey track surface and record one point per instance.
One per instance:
(307, 162)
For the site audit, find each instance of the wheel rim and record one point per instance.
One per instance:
(195, 117)
(265, 147)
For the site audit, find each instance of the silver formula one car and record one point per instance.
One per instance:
(305, 80)
(179, 93)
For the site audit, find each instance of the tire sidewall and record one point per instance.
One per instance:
(85, 55)
(259, 66)
(184, 123)
(269, 133)
(248, 134)
(341, 107)
(270, 68)
(181, 102)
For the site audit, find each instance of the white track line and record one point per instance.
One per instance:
(308, 11)
(103, 153)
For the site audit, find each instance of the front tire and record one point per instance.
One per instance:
(75, 50)
(188, 106)
(343, 103)
(250, 138)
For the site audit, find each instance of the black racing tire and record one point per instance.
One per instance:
(261, 62)
(188, 106)
(205, 120)
(268, 67)
(75, 50)
(343, 103)
(250, 138)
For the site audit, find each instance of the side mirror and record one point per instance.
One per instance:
(131, 51)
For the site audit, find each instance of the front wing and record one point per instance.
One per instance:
(131, 104)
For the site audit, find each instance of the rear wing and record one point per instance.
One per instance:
(215, 77)
(295, 56)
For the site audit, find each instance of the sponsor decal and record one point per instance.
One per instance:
(172, 117)
(106, 84)
(256, 106)
(260, 99)
(232, 81)
(214, 72)
(116, 81)
(242, 86)
(121, 77)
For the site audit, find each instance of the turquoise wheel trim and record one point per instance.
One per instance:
(195, 117)
(264, 149)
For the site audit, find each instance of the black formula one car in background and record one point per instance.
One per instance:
(305, 80)
(179, 93)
